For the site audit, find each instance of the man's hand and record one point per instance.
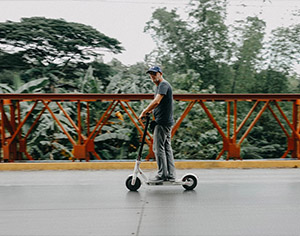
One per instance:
(143, 114)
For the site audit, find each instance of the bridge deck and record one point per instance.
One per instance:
(226, 202)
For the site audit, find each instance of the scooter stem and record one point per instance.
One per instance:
(144, 137)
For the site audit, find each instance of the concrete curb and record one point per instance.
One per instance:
(149, 165)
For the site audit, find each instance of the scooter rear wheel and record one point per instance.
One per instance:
(193, 182)
(134, 187)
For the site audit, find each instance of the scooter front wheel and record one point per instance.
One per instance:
(134, 187)
(191, 182)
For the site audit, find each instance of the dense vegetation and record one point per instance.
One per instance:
(200, 54)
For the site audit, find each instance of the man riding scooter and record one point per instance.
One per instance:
(162, 108)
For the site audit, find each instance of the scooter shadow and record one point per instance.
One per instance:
(133, 195)
(190, 192)
(170, 191)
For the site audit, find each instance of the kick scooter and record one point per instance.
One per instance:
(133, 182)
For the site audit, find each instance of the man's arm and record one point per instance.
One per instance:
(154, 103)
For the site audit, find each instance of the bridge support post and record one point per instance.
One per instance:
(295, 142)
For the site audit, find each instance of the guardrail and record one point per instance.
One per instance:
(13, 142)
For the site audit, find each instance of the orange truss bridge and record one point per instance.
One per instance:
(13, 138)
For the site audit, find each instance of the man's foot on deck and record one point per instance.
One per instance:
(156, 179)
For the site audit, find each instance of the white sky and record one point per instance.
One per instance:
(125, 19)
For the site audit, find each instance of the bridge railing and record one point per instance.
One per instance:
(13, 140)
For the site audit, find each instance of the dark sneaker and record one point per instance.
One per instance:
(171, 179)
(156, 179)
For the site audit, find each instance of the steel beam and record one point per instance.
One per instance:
(139, 97)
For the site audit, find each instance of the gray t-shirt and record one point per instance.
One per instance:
(163, 113)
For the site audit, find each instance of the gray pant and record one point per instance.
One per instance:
(163, 151)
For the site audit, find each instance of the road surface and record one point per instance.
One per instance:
(226, 202)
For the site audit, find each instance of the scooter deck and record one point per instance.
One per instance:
(165, 183)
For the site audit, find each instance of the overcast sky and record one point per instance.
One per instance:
(125, 19)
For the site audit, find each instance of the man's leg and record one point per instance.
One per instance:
(159, 139)
(169, 153)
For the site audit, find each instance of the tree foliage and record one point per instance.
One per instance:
(43, 41)
(54, 48)
(248, 44)
(229, 57)
(284, 48)
(199, 43)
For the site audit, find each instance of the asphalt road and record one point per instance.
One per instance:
(226, 202)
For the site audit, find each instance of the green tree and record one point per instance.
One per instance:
(199, 43)
(270, 81)
(183, 82)
(43, 41)
(53, 48)
(172, 38)
(284, 48)
(248, 39)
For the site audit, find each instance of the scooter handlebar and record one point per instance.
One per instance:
(146, 117)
